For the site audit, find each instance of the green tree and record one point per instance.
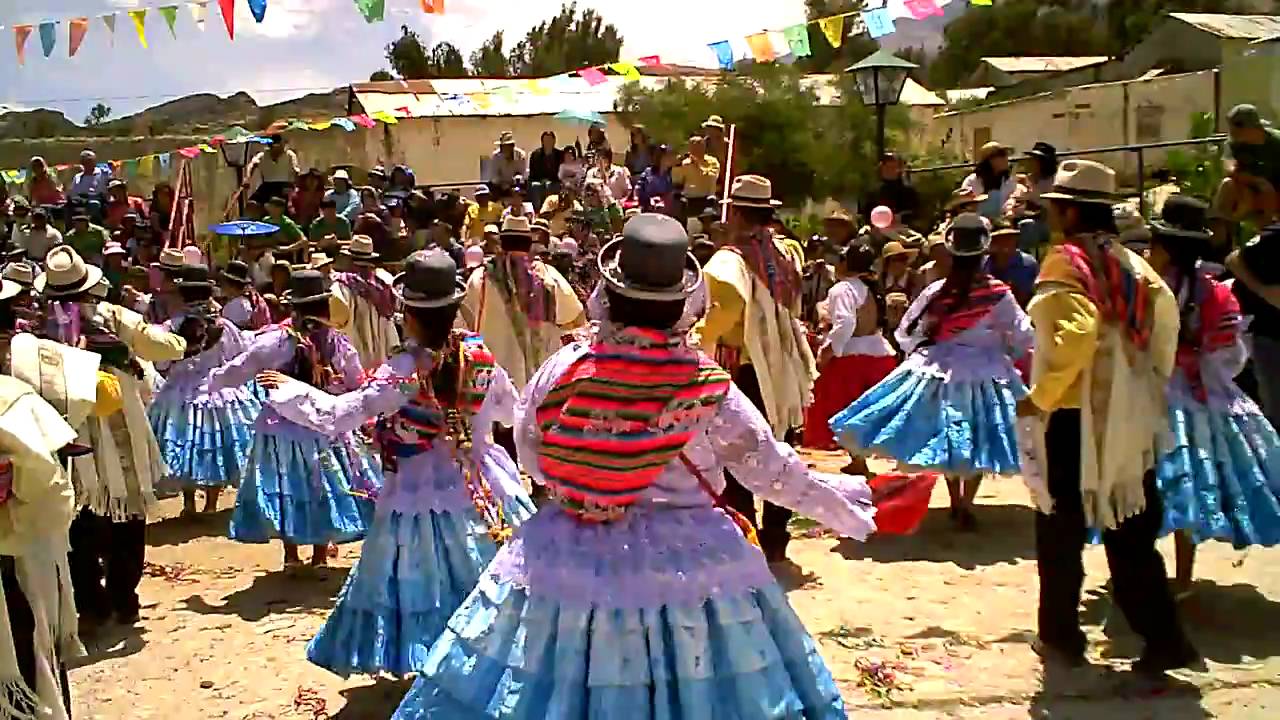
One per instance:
(490, 60)
(808, 150)
(381, 76)
(412, 61)
(566, 42)
(98, 114)
(824, 57)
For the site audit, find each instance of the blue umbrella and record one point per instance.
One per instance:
(243, 228)
(586, 117)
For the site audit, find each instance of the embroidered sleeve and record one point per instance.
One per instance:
(775, 472)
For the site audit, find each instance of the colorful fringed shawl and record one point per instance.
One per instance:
(773, 267)
(621, 414)
(1120, 296)
(946, 320)
(372, 289)
(1214, 325)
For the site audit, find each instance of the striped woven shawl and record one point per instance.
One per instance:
(621, 413)
(947, 320)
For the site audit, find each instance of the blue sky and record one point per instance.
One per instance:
(306, 45)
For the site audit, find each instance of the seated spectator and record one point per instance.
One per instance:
(695, 177)
(329, 224)
(655, 182)
(558, 208)
(90, 183)
(395, 221)
(544, 166)
(19, 216)
(371, 202)
(274, 171)
(304, 204)
(515, 204)
(119, 202)
(372, 225)
(420, 212)
(484, 211)
(507, 163)
(87, 238)
(993, 177)
(642, 153)
(289, 238)
(378, 179)
(616, 177)
(571, 171)
(402, 182)
(601, 210)
(42, 186)
(37, 238)
(161, 211)
(346, 199)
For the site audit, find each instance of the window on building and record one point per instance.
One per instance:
(981, 136)
(1150, 122)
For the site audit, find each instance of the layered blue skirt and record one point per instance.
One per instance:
(413, 573)
(1221, 481)
(737, 652)
(298, 486)
(205, 440)
(927, 421)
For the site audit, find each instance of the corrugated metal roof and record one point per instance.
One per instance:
(1043, 64)
(1232, 27)
(489, 97)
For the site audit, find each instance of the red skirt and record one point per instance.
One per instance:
(842, 381)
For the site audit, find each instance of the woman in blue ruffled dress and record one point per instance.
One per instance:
(1220, 480)
(951, 406)
(633, 595)
(204, 436)
(450, 494)
(300, 485)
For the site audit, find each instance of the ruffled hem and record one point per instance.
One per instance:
(507, 654)
(203, 443)
(926, 422)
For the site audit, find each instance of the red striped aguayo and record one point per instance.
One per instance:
(982, 299)
(619, 415)
(1217, 326)
(1122, 298)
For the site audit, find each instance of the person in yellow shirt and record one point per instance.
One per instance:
(695, 177)
(484, 211)
(1106, 338)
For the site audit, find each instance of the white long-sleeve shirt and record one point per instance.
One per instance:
(843, 300)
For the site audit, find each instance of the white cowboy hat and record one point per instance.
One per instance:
(360, 248)
(172, 259)
(66, 273)
(9, 289)
(516, 225)
(506, 138)
(751, 191)
(1084, 181)
(319, 260)
(22, 273)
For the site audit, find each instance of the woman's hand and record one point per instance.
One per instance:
(272, 379)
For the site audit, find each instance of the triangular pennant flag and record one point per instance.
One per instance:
(170, 15)
(110, 22)
(189, 152)
(388, 118)
(130, 167)
(139, 18)
(538, 88)
(199, 12)
(20, 35)
(980, 2)
(228, 8)
(798, 40)
(321, 125)
(761, 48)
(593, 76)
(259, 9)
(626, 70)
(482, 101)
(833, 28)
(878, 22)
(48, 37)
(345, 124)
(78, 29)
(724, 54)
(165, 159)
(147, 165)
(206, 147)
(922, 9)
(651, 61)
(897, 9)
(433, 6)
(363, 121)
(372, 10)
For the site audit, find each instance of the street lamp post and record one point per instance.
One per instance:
(236, 155)
(880, 78)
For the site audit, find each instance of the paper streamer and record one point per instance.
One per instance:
(593, 76)
(259, 9)
(228, 8)
(761, 47)
(798, 40)
(139, 18)
(372, 10)
(833, 28)
(878, 22)
(199, 12)
(627, 70)
(77, 29)
(48, 37)
(20, 35)
(724, 54)
(170, 15)
(923, 9)
(110, 22)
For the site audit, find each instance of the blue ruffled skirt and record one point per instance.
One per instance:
(1221, 481)
(205, 440)
(929, 422)
(737, 652)
(413, 573)
(298, 487)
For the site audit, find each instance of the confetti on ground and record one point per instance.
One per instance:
(880, 679)
(175, 573)
(307, 700)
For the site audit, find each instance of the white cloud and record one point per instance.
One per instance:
(291, 18)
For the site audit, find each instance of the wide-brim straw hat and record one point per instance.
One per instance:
(751, 191)
(1084, 181)
(430, 279)
(505, 138)
(894, 249)
(715, 121)
(10, 289)
(66, 273)
(651, 260)
(360, 249)
(22, 273)
(960, 198)
(840, 215)
(320, 260)
(516, 225)
(992, 149)
(172, 259)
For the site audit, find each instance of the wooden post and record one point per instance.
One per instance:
(728, 170)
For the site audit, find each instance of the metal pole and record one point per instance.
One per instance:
(880, 113)
(1142, 183)
(728, 170)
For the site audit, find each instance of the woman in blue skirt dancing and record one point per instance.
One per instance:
(951, 406)
(633, 595)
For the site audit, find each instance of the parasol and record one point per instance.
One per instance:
(243, 228)
(585, 117)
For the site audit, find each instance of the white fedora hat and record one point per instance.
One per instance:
(751, 191)
(1084, 181)
(66, 273)
(516, 225)
(22, 273)
(360, 248)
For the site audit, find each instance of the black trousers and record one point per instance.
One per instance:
(102, 550)
(1140, 585)
(772, 528)
(22, 624)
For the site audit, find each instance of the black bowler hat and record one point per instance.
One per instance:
(968, 235)
(307, 286)
(237, 272)
(1043, 150)
(430, 279)
(194, 276)
(1183, 216)
(651, 261)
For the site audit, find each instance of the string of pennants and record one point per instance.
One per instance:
(77, 28)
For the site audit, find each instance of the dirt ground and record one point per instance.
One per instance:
(949, 616)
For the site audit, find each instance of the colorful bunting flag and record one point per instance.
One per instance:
(207, 148)
(433, 6)
(626, 70)
(593, 76)
(372, 10)
(878, 22)
(170, 15)
(199, 12)
(363, 121)
(406, 112)
(48, 37)
(506, 93)
(259, 9)
(129, 167)
(146, 165)
(724, 54)
(344, 123)
(189, 152)
(538, 88)
(798, 40)
(228, 8)
(320, 125)
(833, 28)
(165, 159)
(761, 48)
(897, 9)
(139, 18)
(110, 22)
(20, 35)
(980, 2)
(78, 28)
(651, 61)
(388, 118)
(481, 100)
(923, 9)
